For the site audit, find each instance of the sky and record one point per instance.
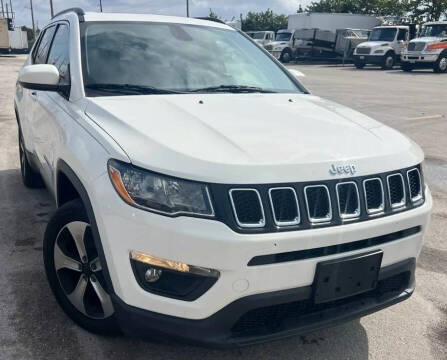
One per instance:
(226, 9)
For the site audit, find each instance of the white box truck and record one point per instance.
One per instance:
(4, 36)
(12, 40)
(317, 34)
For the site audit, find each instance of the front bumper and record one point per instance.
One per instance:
(276, 54)
(270, 316)
(213, 245)
(369, 59)
(420, 59)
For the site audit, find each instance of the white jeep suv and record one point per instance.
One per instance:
(202, 192)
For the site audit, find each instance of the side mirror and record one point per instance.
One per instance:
(296, 73)
(40, 77)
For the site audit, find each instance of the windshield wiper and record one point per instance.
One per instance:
(234, 89)
(129, 89)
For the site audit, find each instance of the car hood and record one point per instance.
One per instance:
(428, 39)
(278, 43)
(371, 44)
(249, 138)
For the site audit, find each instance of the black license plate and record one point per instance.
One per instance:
(341, 278)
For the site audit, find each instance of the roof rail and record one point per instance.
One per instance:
(211, 19)
(77, 11)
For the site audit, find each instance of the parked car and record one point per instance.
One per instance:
(429, 50)
(202, 192)
(384, 47)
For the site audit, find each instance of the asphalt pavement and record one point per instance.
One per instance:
(32, 326)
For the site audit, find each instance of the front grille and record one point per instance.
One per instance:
(268, 47)
(415, 185)
(363, 50)
(348, 200)
(416, 46)
(298, 206)
(396, 190)
(318, 203)
(375, 199)
(285, 206)
(247, 207)
(277, 318)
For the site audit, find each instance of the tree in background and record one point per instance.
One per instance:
(264, 20)
(421, 10)
(213, 15)
(426, 10)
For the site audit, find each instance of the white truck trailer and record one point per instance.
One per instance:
(12, 40)
(317, 34)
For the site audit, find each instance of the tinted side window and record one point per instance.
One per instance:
(59, 54)
(402, 35)
(44, 45)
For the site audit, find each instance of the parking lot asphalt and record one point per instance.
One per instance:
(32, 326)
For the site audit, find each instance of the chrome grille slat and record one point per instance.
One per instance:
(285, 206)
(318, 203)
(373, 187)
(299, 206)
(348, 200)
(247, 207)
(396, 190)
(363, 50)
(414, 185)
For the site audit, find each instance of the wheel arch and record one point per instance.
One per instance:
(78, 191)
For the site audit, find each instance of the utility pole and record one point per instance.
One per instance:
(51, 8)
(32, 18)
(7, 11)
(3, 9)
(187, 8)
(100, 5)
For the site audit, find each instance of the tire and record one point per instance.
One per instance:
(388, 61)
(407, 67)
(440, 66)
(359, 64)
(74, 271)
(286, 56)
(30, 178)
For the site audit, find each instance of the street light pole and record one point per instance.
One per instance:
(100, 5)
(187, 8)
(51, 8)
(32, 18)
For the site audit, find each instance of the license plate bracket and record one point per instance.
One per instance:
(341, 278)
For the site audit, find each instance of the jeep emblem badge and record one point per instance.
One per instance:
(342, 170)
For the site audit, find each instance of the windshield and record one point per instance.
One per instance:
(259, 36)
(175, 58)
(385, 34)
(283, 36)
(434, 31)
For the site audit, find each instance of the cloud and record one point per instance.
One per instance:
(227, 9)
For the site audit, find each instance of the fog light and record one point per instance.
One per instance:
(171, 279)
(152, 275)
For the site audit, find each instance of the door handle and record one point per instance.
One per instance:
(34, 94)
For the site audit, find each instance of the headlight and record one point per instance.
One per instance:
(379, 51)
(159, 193)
